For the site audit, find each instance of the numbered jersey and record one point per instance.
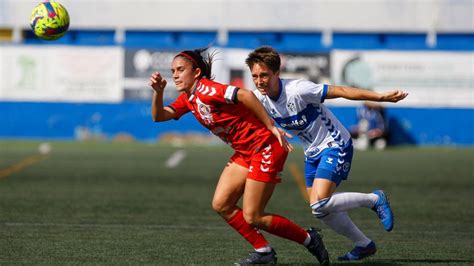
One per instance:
(299, 108)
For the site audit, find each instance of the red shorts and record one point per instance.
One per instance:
(266, 164)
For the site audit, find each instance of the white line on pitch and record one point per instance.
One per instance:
(175, 159)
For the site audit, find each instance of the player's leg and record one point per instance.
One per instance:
(331, 208)
(228, 192)
(334, 165)
(333, 212)
(339, 222)
(324, 173)
(256, 196)
(259, 188)
(324, 200)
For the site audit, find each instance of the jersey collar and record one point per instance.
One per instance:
(191, 96)
(280, 88)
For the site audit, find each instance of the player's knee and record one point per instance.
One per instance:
(318, 208)
(253, 219)
(222, 208)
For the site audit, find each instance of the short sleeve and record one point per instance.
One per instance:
(312, 92)
(230, 94)
(218, 93)
(180, 106)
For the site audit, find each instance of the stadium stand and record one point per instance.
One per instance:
(284, 41)
(303, 27)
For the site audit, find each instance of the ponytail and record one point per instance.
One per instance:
(200, 59)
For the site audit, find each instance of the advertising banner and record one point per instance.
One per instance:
(433, 79)
(228, 67)
(313, 67)
(232, 69)
(61, 74)
(139, 65)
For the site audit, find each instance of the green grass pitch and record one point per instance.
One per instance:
(117, 203)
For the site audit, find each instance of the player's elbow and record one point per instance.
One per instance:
(243, 95)
(157, 118)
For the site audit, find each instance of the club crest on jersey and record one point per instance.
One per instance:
(205, 112)
(291, 107)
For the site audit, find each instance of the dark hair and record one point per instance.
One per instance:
(200, 59)
(266, 55)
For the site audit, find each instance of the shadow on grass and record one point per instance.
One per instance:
(385, 263)
(392, 262)
(411, 261)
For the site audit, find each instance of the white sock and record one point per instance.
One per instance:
(307, 240)
(264, 249)
(345, 201)
(342, 224)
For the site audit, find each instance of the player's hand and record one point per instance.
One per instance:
(281, 135)
(394, 96)
(157, 82)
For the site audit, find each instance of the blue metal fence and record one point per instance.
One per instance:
(446, 126)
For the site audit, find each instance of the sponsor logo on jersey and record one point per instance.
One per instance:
(295, 123)
(301, 120)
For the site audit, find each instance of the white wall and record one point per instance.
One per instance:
(313, 15)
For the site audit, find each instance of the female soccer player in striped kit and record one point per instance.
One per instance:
(297, 105)
(237, 117)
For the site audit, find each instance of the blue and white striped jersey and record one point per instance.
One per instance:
(299, 108)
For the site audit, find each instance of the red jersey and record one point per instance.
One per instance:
(216, 107)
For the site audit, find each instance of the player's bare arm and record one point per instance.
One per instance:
(159, 113)
(251, 102)
(361, 94)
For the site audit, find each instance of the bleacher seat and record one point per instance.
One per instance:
(405, 41)
(297, 42)
(150, 39)
(30, 38)
(343, 40)
(95, 37)
(455, 41)
(197, 39)
(6, 35)
(301, 42)
(251, 40)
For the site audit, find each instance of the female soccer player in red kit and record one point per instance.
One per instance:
(237, 117)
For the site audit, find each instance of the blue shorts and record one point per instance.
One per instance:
(332, 164)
